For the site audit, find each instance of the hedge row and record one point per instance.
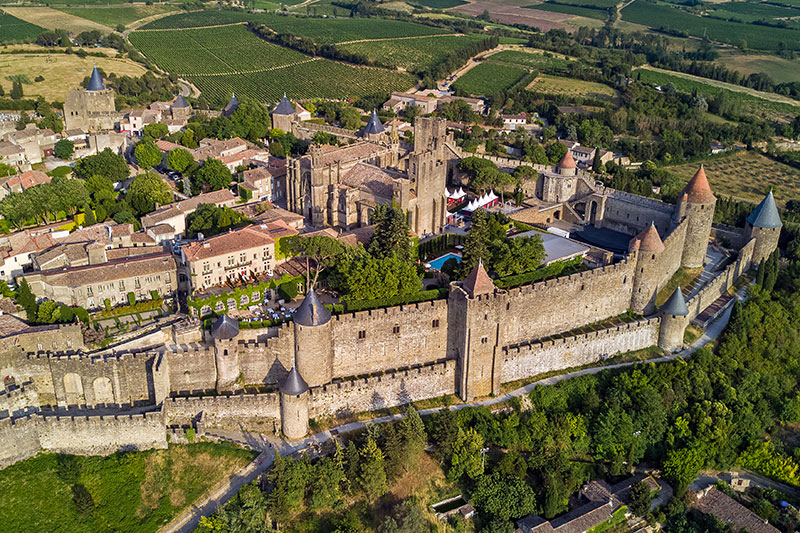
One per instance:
(422, 296)
(551, 270)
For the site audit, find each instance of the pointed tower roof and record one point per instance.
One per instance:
(293, 384)
(698, 191)
(284, 107)
(96, 81)
(478, 281)
(374, 126)
(180, 102)
(765, 215)
(676, 305)
(311, 312)
(567, 161)
(225, 328)
(648, 240)
(231, 106)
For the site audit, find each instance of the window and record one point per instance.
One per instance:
(396, 330)
(484, 340)
(362, 334)
(136, 283)
(89, 290)
(435, 323)
(122, 284)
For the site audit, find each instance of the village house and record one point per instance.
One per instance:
(238, 254)
(175, 214)
(37, 143)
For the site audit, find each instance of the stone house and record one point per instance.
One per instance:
(37, 143)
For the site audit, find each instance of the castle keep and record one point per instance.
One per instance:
(324, 365)
(90, 109)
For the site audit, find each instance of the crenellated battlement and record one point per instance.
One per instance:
(581, 337)
(376, 380)
(387, 312)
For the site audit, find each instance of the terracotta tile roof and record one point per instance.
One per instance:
(28, 179)
(241, 156)
(698, 191)
(731, 512)
(214, 197)
(166, 146)
(478, 282)
(567, 161)
(10, 149)
(332, 155)
(161, 214)
(370, 178)
(11, 325)
(647, 240)
(274, 213)
(110, 271)
(143, 238)
(226, 243)
(132, 251)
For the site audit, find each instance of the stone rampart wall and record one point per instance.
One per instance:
(528, 360)
(630, 214)
(191, 369)
(386, 390)
(720, 284)
(182, 411)
(394, 337)
(541, 309)
(19, 401)
(19, 440)
(735, 236)
(306, 130)
(267, 360)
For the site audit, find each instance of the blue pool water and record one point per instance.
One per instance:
(437, 263)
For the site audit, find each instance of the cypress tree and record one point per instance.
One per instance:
(760, 274)
(372, 473)
(89, 218)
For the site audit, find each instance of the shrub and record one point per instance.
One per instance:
(548, 271)
(288, 290)
(107, 304)
(154, 294)
(131, 298)
(190, 435)
(422, 296)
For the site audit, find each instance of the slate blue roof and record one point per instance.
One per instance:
(225, 328)
(294, 384)
(231, 106)
(284, 107)
(96, 81)
(374, 126)
(765, 215)
(676, 305)
(311, 312)
(180, 101)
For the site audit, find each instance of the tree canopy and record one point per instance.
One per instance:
(106, 164)
(146, 190)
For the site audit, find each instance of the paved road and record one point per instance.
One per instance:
(189, 519)
(710, 477)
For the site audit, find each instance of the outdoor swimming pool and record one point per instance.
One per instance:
(437, 263)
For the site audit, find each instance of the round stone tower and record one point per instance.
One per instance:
(673, 322)
(648, 247)
(294, 405)
(696, 204)
(567, 165)
(283, 114)
(313, 346)
(226, 352)
(764, 225)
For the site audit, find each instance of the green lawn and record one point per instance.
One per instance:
(130, 492)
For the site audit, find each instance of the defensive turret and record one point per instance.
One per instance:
(648, 247)
(312, 341)
(764, 225)
(224, 332)
(294, 405)
(696, 205)
(674, 315)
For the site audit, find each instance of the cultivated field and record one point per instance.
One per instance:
(747, 176)
(780, 70)
(321, 31)
(544, 20)
(588, 12)
(440, 4)
(14, 30)
(537, 60)
(112, 15)
(133, 492)
(223, 60)
(669, 16)
(62, 73)
(413, 54)
(489, 77)
(54, 19)
(572, 88)
(770, 105)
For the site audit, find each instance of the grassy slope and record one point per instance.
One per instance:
(134, 491)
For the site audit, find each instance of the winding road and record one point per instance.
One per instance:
(188, 520)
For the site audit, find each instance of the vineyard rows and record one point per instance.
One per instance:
(412, 54)
(489, 78)
(227, 59)
(320, 30)
(223, 50)
(14, 30)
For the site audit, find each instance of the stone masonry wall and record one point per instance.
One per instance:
(19, 440)
(630, 214)
(722, 282)
(192, 369)
(421, 338)
(101, 435)
(528, 360)
(181, 411)
(387, 390)
(535, 311)
(267, 360)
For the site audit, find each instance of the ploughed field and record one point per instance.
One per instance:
(230, 59)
